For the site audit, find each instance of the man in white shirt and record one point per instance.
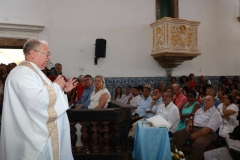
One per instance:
(201, 129)
(35, 125)
(169, 111)
(135, 98)
(127, 95)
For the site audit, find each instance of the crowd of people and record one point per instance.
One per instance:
(194, 110)
(197, 113)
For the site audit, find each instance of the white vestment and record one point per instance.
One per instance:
(27, 133)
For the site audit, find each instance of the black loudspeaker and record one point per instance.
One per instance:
(100, 48)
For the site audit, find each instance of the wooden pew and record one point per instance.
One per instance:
(104, 131)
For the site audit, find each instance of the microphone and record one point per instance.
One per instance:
(52, 69)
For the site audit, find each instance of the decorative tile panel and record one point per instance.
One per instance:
(113, 82)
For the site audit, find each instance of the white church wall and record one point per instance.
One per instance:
(72, 26)
(125, 26)
(219, 36)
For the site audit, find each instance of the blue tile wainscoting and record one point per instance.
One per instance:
(113, 82)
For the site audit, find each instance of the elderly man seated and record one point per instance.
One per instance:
(210, 92)
(169, 111)
(200, 130)
(178, 99)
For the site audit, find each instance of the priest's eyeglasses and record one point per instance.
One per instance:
(47, 54)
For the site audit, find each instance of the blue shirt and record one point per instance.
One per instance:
(85, 98)
(142, 106)
(217, 102)
(154, 108)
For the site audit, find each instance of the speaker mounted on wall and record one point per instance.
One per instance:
(100, 49)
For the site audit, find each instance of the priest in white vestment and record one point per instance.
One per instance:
(35, 125)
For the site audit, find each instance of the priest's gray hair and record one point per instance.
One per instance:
(32, 44)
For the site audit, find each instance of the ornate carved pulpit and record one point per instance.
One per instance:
(174, 41)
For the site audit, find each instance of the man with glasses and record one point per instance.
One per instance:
(85, 98)
(83, 103)
(34, 120)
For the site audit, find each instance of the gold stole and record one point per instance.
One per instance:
(51, 124)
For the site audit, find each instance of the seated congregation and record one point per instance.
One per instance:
(199, 115)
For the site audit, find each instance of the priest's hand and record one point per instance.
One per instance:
(60, 81)
(72, 83)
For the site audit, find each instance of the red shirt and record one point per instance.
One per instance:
(179, 101)
(80, 90)
(192, 84)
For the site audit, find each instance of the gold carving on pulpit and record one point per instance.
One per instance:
(159, 37)
(174, 41)
(181, 35)
(167, 33)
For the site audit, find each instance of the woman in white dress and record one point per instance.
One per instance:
(100, 96)
(229, 113)
(98, 100)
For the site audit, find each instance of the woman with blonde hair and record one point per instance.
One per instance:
(100, 96)
(98, 100)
